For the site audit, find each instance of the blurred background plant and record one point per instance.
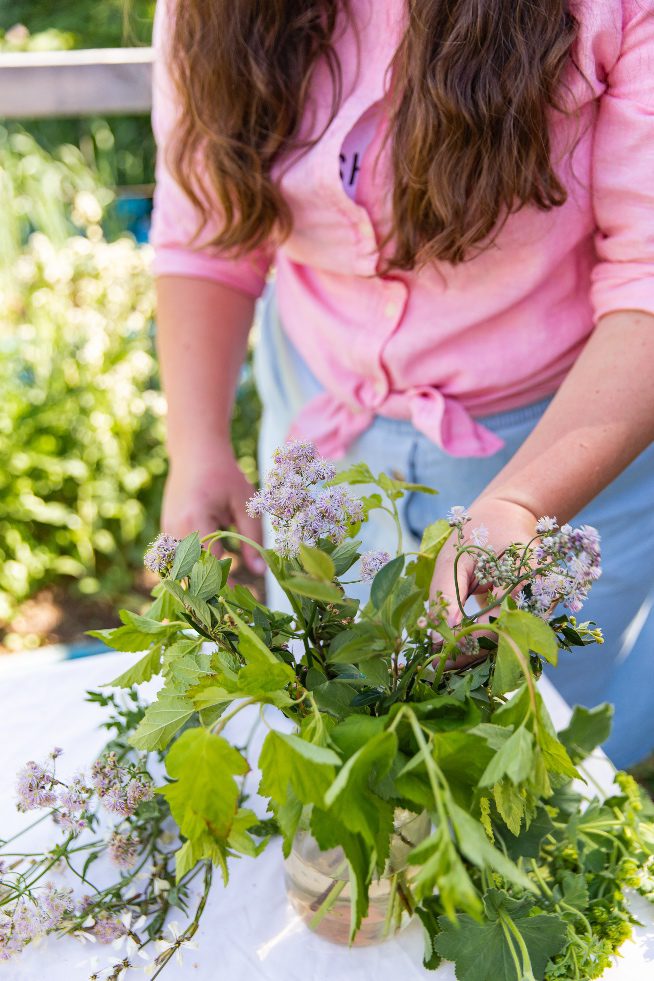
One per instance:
(81, 418)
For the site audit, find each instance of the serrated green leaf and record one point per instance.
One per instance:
(208, 576)
(482, 951)
(204, 795)
(198, 607)
(251, 645)
(514, 760)
(187, 554)
(475, 846)
(358, 473)
(587, 729)
(352, 798)
(162, 720)
(289, 760)
(317, 563)
(143, 670)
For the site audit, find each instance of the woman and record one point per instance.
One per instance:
(458, 199)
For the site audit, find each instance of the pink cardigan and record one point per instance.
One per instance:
(446, 345)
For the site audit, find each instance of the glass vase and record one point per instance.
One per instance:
(318, 884)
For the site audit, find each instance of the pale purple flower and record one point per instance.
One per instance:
(372, 562)
(54, 905)
(123, 850)
(458, 516)
(119, 792)
(422, 623)
(300, 513)
(107, 928)
(160, 555)
(35, 787)
(545, 525)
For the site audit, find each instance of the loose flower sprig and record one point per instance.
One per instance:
(558, 565)
(129, 913)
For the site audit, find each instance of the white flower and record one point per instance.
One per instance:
(160, 886)
(176, 942)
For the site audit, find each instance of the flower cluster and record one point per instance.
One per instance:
(32, 917)
(299, 512)
(572, 560)
(458, 516)
(160, 555)
(372, 562)
(123, 850)
(119, 790)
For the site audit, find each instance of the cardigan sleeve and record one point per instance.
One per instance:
(623, 172)
(175, 220)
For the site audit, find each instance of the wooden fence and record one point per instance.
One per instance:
(103, 81)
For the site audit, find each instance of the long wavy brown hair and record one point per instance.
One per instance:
(470, 92)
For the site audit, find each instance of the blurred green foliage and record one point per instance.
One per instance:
(121, 148)
(81, 417)
(108, 24)
(81, 414)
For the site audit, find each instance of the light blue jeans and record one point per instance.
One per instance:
(621, 601)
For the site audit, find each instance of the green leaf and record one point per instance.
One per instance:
(363, 640)
(382, 584)
(289, 760)
(198, 607)
(441, 869)
(475, 846)
(208, 576)
(486, 950)
(162, 720)
(345, 555)
(324, 592)
(251, 646)
(143, 670)
(428, 914)
(187, 554)
(434, 537)
(514, 760)
(352, 799)
(587, 729)
(125, 639)
(358, 473)
(145, 625)
(317, 563)
(203, 798)
(354, 733)
(529, 633)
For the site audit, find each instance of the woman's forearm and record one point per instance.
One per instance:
(601, 418)
(202, 331)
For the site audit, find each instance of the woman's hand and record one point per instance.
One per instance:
(501, 523)
(207, 492)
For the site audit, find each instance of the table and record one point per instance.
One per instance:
(249, 931)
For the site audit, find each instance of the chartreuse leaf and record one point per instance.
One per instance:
(289, 760)
(358, 473)
(144, 669)
(317, 563)
(162, 720)
(490, 949)
(204, 795)
(587, 729)
(198, 607)
(127, 639)
(528, 633)
(434, 537)
(352, 798)
(513, 760)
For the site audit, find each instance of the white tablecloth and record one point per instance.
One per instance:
(249, 931)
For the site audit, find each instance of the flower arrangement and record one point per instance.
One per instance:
(515, 874)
